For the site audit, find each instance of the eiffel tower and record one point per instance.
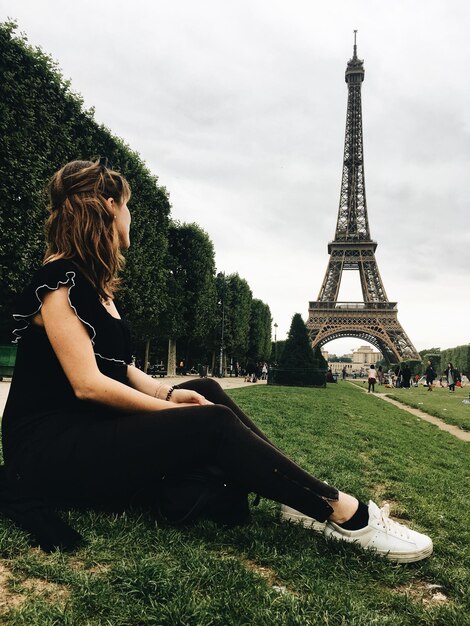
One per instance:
(375, 318)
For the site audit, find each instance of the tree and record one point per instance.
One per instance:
(320, 361)
(298, 364)
(259, 343)
(423, 353)
(43, 124)
(458, 356)
(234, 295)
(232, 328)
(277, 348)
(192, 292)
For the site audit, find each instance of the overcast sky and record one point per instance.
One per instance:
(239, 107)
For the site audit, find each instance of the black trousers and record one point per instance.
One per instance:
(96, 457)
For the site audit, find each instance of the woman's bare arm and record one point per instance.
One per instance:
(146, 384)
(72, 346)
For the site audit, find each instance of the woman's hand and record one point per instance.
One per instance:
(159, 390)
(186, 396)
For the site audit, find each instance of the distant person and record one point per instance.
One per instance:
(251, 371)
(398, 376)
(329, 376)
(344, 372)
(430, 374)
(264, 371)
(452, 376)
(202, 370)
(372, 378)
(380, 375)
(406, 376)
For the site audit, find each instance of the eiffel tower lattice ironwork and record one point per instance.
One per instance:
(375, 318)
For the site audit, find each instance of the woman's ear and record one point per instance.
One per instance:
(111, 203)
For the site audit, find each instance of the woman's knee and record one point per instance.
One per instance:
(222, 418)
(207, 387)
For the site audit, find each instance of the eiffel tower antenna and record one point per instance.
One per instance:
(374, 319)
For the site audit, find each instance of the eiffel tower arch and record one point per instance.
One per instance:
(374, 319)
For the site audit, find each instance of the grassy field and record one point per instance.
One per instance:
(271, 573)
(439, 402)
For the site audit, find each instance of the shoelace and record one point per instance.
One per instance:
(390, 525)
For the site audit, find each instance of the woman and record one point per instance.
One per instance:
(372, 378)
(83, 425)
(452, 376)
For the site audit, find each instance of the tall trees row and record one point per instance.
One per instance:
(171, 289)
(458, 356)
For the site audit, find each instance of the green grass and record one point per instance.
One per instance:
(268, 573)
(439, 402)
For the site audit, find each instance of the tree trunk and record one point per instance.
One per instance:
(171, 368)
(146, 354)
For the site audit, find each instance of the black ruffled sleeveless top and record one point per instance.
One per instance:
(39, 387)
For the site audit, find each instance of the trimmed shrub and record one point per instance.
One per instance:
(298, 365)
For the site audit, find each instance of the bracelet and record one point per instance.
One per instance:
(157, 390)
(170, 391)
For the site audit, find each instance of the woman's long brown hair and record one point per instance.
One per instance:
(81, 226)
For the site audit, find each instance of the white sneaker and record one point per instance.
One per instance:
(387, 537)
(291, 515)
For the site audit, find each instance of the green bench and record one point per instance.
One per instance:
(7, 361)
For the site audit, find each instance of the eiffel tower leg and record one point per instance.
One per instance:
(332, 280)
(373, 289)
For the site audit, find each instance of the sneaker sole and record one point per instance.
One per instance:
(397, 557)
(409, 557)
(291, 515)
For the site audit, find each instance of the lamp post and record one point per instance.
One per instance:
(275, 343)
(221, 364)
(221, 358)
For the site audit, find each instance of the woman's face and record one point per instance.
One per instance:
(123, 224)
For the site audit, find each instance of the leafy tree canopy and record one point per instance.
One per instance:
(43, 125)
(192, 290)
(259, 348)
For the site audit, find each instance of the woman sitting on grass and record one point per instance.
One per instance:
(82, 425)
